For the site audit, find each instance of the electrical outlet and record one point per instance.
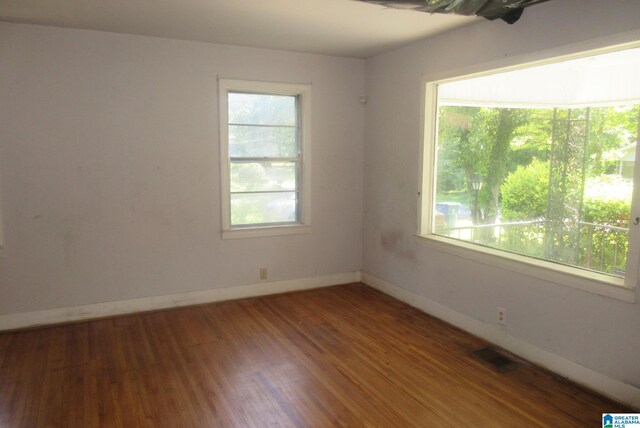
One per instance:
(264, 273)
(502, 316)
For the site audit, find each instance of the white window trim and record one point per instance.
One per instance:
(304, 95)
(605, 285)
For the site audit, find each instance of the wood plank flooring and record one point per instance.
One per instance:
(339, 356)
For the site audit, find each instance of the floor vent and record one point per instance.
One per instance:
(495, 359)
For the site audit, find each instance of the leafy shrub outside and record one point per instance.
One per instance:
(607, 202)
(525, 192)
(606, 207)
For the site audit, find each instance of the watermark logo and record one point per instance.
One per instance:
(621, 420)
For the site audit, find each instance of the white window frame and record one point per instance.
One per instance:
(605, 285)
(303, 94)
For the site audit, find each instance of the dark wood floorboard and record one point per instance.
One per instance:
(338, 356)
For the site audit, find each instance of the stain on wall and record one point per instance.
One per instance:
(395, 241)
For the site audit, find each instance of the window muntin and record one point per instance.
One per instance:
(264, 136)
(558, 143)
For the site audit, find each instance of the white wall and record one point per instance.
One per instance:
(597, 332)
(110, 168)
(110, 179)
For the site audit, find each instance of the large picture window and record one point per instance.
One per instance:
(264, 135)
(539, 162)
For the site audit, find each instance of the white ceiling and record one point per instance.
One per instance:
(335, 27)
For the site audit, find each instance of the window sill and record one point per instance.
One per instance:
(593, 282)
(258, 232)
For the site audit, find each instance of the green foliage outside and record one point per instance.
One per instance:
(525, 192)
(263, 126)
(610, 128)
(510, 150)
(608, 203)
(606, 207)
(524, 199)
(477, 141)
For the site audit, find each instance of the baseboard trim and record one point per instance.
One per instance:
(121, 307)
(578, 373)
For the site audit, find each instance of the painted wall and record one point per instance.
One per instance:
(110, 167)
(598, 332)
(109, 175)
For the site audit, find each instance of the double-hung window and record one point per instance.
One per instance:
(265, 158)
(532, 168)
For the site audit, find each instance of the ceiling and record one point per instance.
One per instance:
(334, 27)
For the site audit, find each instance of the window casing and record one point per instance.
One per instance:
(436, 217)
(264, 134)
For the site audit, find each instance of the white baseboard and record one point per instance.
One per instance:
(99, 310)
(578, 373)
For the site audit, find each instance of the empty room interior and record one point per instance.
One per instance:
(382, 213)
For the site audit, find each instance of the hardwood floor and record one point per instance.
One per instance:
(339, 356)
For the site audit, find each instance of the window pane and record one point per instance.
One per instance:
(259, 141)
(263, 176)
(260, 109)
(552, 182)
(263, 208)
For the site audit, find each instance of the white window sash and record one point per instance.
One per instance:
(302, 161)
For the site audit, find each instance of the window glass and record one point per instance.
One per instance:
(263, 176)
(262, 109)
(541, 161)
(263, 208)
(262, 141)
(265, 158)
